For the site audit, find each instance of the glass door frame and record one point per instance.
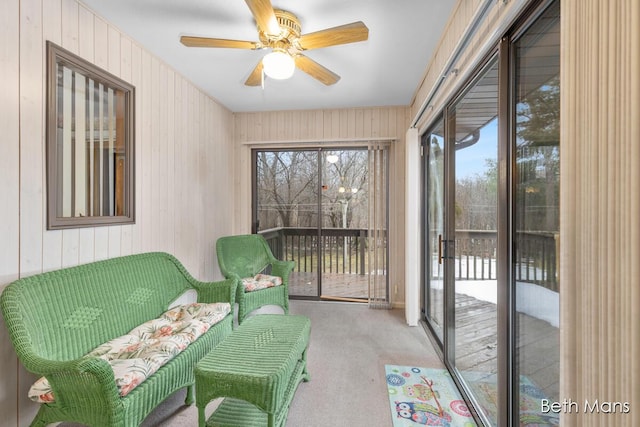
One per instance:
(254, 206)
(508, 132)
(427, 261)
(507, 378)
(321, 164)
(446, 345)
(497, 58)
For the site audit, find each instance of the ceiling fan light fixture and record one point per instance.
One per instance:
(278, 64)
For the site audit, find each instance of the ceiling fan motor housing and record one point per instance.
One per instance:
(289, 24)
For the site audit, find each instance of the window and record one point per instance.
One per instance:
(90, 163)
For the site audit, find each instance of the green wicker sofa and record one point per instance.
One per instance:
(56, 318)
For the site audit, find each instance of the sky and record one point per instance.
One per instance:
(471, 161)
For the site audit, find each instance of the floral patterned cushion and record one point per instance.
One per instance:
(260, 281)
(146, 348)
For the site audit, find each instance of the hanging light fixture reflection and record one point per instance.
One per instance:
(332, 158)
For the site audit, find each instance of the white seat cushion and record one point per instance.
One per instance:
(260, 281)
(136, 356)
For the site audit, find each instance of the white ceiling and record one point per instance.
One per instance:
(382, 71)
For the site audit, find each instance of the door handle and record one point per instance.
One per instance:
(439, 248)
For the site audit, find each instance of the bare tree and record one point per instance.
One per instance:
(345, 190)
(287, 186)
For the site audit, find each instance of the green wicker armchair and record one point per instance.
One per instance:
(244, 256)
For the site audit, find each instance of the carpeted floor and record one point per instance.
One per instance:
(350, 346)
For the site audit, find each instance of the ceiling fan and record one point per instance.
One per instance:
(280, 31)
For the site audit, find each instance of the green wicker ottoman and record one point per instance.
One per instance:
(257, 369)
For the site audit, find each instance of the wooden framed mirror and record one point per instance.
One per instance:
(90, 144)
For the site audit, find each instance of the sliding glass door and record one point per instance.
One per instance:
(433, 167)
(326, 209)
(536, 221)
(344, 203)
(287, 212)
(472, 145)
(491, 228)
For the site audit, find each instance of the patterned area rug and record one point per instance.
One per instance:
(422, 396)
(485, 388)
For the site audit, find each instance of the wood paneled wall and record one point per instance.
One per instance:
(9, 192)
(184, 149)
(325, 127)
(600, 216)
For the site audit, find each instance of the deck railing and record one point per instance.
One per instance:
(345, 251)
(536, 257)
(537, 261)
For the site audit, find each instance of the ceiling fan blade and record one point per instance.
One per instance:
(264, 15)
(316, 70)
(255, 78)
(348, 33)
(209, 42)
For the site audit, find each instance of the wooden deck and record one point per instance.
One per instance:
(537, 346)
(353, 286)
